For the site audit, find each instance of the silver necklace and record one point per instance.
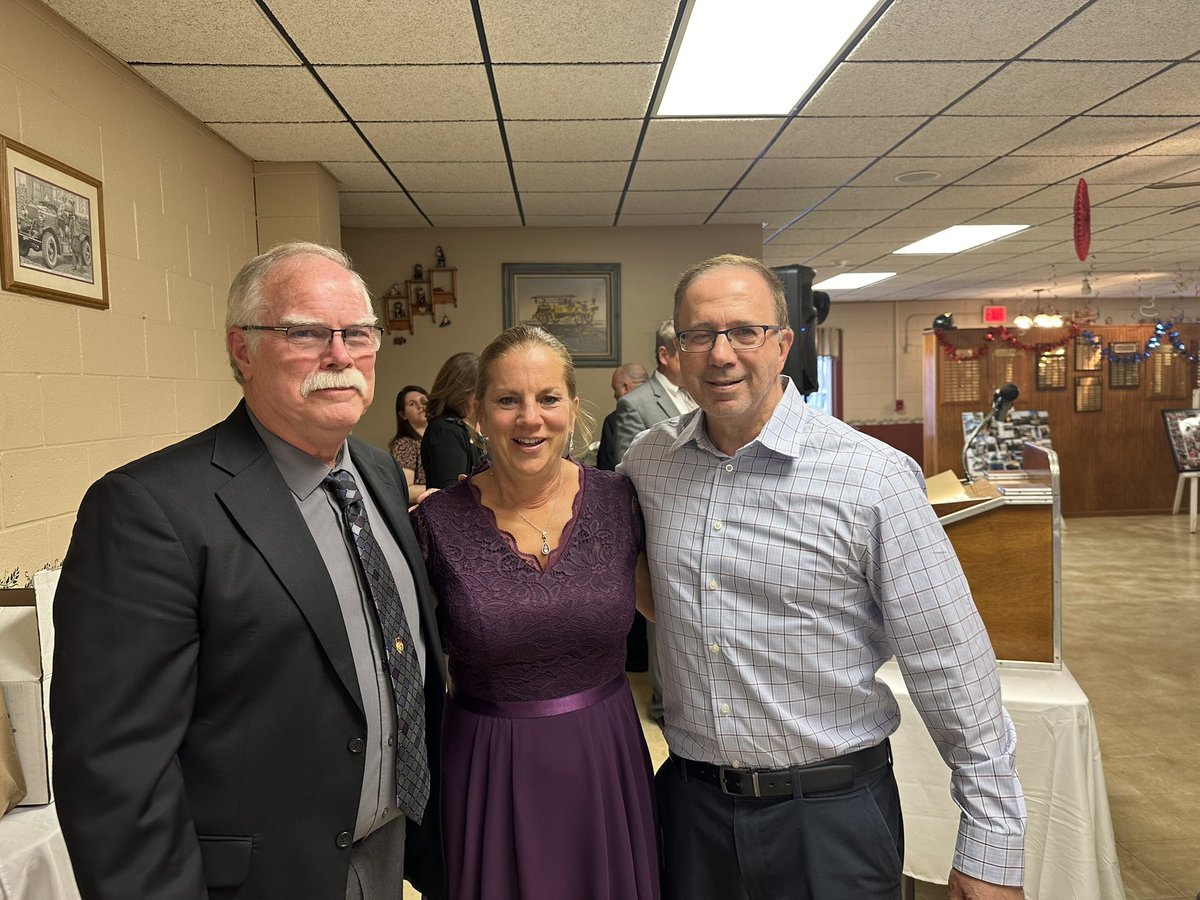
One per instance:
(542, 531)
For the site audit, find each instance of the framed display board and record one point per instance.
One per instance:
(1183, 433)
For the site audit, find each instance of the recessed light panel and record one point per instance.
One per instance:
(958, 238)
(756, 57)
(848, 281)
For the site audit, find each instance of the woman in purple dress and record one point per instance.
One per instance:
(548, 790)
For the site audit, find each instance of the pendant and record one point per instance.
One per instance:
(545, 544)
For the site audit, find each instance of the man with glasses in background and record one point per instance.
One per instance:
(248, 681)
(791, 556)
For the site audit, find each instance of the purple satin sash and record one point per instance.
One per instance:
(539, 709)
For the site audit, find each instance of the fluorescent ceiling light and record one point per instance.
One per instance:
(958, 238)
(756, 57)
(848, 281)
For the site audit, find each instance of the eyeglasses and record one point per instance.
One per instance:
(316, 338)
(743, 337)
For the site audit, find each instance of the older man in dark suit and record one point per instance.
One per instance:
(248, 683)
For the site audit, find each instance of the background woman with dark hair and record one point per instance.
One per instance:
(447, 450)
(410, 428)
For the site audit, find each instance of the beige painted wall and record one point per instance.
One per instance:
(82, 390)
(651, 260)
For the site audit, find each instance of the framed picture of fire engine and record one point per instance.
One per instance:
(579, 303)
(51, 229)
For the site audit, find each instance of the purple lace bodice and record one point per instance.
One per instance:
(513, 631)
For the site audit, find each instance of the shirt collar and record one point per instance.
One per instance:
(679, 397)
(783, 433)
(302, 472)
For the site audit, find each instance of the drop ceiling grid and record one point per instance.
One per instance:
(1009, 109)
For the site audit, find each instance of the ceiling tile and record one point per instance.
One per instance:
(568, 31)
(374, 203)
(390, 93)
(975, 199)
(805, 233)
(888, 198)
(707, 138)
(659, 175)
(1118, 29)
(884, 172)
(674, 202)
(792, 200)
(478, 221)
(436, 141)
(1140, 170)
(368, 31)
(575, 92)
(802, 173)
(568, 221)
(581, 140)
(895, 89)
(571, 176)
(179, 31)
(811, 136)
(1186, 143)
(1031, 170)
(951, 29)
(1098, 135)
(294, 142)
(844, 218)
(1175, 92)
(1051, 88)
(413, 221)
(451, 177)
(244, 93)
(662, 219)
(362, 176)
(597, 203)
(461, 203)
(975, 135)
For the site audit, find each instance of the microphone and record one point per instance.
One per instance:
(1002, 401)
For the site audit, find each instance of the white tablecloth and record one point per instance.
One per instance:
(1069, 847)
(33, 857)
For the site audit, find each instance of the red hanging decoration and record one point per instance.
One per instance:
(1083, 221)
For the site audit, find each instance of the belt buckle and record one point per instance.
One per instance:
(726, 770)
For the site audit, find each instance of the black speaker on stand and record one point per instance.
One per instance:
(806, 310)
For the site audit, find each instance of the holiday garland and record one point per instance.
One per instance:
(1162, 330)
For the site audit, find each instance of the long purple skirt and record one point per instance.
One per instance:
(548, 805)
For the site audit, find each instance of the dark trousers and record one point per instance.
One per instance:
(839, 845)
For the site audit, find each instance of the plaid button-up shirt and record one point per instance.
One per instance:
(784, 577)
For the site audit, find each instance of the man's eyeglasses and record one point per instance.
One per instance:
(316, 338)
(743, 337)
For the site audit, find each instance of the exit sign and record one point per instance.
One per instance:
(995, 315)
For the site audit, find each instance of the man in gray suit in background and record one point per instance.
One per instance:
(659, 398)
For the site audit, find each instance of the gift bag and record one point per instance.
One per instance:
(12, 781)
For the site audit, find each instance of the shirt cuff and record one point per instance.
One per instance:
(990, 856)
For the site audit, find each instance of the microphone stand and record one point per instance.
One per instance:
(968, 478)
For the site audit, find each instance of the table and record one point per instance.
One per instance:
(33, 856)
(1070, 851)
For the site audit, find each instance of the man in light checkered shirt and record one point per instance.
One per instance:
(791, 557)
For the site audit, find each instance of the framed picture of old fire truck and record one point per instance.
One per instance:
(579, 303)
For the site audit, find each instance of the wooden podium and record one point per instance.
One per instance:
(1007, 532)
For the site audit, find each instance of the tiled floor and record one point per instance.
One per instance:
(1131, 637)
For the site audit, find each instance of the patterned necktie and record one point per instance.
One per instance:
(412, 764)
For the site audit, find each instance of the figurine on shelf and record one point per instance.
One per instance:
(439, 257)
(445, 323)
(420, 301)
(418, 273)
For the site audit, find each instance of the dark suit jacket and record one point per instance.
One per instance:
(646, 405)
(447, 451)
(606, 457)
(204, 698)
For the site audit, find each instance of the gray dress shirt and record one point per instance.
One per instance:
(304, 474)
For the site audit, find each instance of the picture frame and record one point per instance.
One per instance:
(1088, 396)
(51, 229)
(1124, 368)
(1089, 354)
(1183, 434)
(579, 303)
(1051, 368)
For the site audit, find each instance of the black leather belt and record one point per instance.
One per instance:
(836, 774)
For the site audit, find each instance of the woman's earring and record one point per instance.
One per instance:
(571, 445)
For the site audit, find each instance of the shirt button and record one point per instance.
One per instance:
(712, 585)
(716, 526)
(724, 709)
(344, 840)
(736, 764)
(385, 812)
(356, 745)
(391, 740)
(715, 648)
(728, 467)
